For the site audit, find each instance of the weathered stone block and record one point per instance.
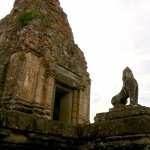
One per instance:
(121, 128)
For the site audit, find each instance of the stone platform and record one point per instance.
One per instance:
(123, 112)
(124, 128)
(19, 130)
(129, 120)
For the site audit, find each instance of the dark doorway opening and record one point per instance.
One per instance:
(63, 103)
(59, 94)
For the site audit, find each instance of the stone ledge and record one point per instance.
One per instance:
(16, 140)
(123, 112)
(19, 130)
(128, 121)
(32, 124)
(21, 105)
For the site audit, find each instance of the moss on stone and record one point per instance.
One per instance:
(16, 138)
(22, 57)
(27, 17)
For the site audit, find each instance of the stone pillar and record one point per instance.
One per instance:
(44, 91)
(87, 103)
(22, 75)
(84, 102)
(27, 82)
(81, 115)
(27, 86)
(49, 91)
(14, 71)
(75, 106)
(21, 81)
(39, 96)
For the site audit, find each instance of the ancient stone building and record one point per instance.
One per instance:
(42, 72)
(45, 88)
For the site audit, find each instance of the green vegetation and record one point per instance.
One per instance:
(27, 17)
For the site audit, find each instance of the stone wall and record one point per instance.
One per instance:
(127, 130)
(22, 131)
(37, 53)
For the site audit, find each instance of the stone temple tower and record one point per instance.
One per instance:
(42, 71)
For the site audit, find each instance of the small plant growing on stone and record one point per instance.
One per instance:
(27, 17)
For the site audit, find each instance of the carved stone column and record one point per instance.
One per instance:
(84, 102)
(75, 106)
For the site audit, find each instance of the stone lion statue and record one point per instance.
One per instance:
(129, 90)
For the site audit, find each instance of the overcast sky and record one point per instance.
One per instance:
(113, 34)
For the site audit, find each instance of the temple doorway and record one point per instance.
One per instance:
(62, 104)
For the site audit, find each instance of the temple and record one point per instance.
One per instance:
(43, 72)
(45, 89)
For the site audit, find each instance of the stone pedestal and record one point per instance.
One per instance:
(125, 127)
(123, 112)
(127, 120)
